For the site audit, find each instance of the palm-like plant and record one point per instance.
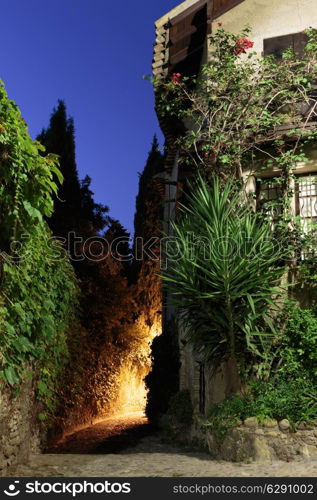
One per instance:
(226, 273)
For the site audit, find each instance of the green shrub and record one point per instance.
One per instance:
(298, 343)
(38, 304)
(226, 415)
(294, 399)
(291, 390)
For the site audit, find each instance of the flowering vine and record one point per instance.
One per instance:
(238, 105)
(242, 45)
(242, 114)
(176, 78)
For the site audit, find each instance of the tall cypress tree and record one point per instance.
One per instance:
(149, 206)
(119, 240)
(74, 207)
(106, 303)
(155, 161)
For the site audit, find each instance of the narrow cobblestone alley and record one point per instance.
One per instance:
(127, 447)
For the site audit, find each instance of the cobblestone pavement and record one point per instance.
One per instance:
(146, 455)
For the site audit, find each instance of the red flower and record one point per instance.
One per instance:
(242, 45)
(213, 157)
(176, 78)
(220, 24)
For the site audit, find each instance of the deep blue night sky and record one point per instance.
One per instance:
(93, 55)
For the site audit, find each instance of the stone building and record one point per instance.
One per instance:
(182, 46)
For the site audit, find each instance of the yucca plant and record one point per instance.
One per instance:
(223, 272)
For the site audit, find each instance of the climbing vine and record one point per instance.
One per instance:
(244, 115)
(234, 108)
(38, 291)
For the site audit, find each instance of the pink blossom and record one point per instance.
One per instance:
(242, 45)
(176, 77)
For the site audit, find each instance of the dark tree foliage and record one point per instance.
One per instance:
(92, 215)
(119, 244)
(154, 165)
(163, 380)
(105, 311)
(149, 206)
(74, 207)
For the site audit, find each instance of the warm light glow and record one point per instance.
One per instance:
(133, 393)
(130, 385)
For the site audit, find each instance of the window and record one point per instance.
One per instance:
(306, 209)
(188, 31)
(306, 201)
(268, 193)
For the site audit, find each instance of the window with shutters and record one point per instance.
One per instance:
(277, 45)
(269, 192)
(306, 200)
(188, 33)
(306, 208)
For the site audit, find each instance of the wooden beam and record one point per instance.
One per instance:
(197, 6)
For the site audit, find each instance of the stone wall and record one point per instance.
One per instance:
(19, 432)
(265, 442)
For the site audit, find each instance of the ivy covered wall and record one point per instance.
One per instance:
(38, 290)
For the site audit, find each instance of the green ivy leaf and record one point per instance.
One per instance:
(33, 212)
(11, 375)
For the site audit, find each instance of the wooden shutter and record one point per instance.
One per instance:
(222, 6)
(277, 45)
(187, 33)
(300, 41)
(187, 38)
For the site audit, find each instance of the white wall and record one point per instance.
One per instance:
(270, 18)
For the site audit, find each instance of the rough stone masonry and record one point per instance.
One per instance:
(19, 432)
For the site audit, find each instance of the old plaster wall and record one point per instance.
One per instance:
(270, 18)
(213, 386)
